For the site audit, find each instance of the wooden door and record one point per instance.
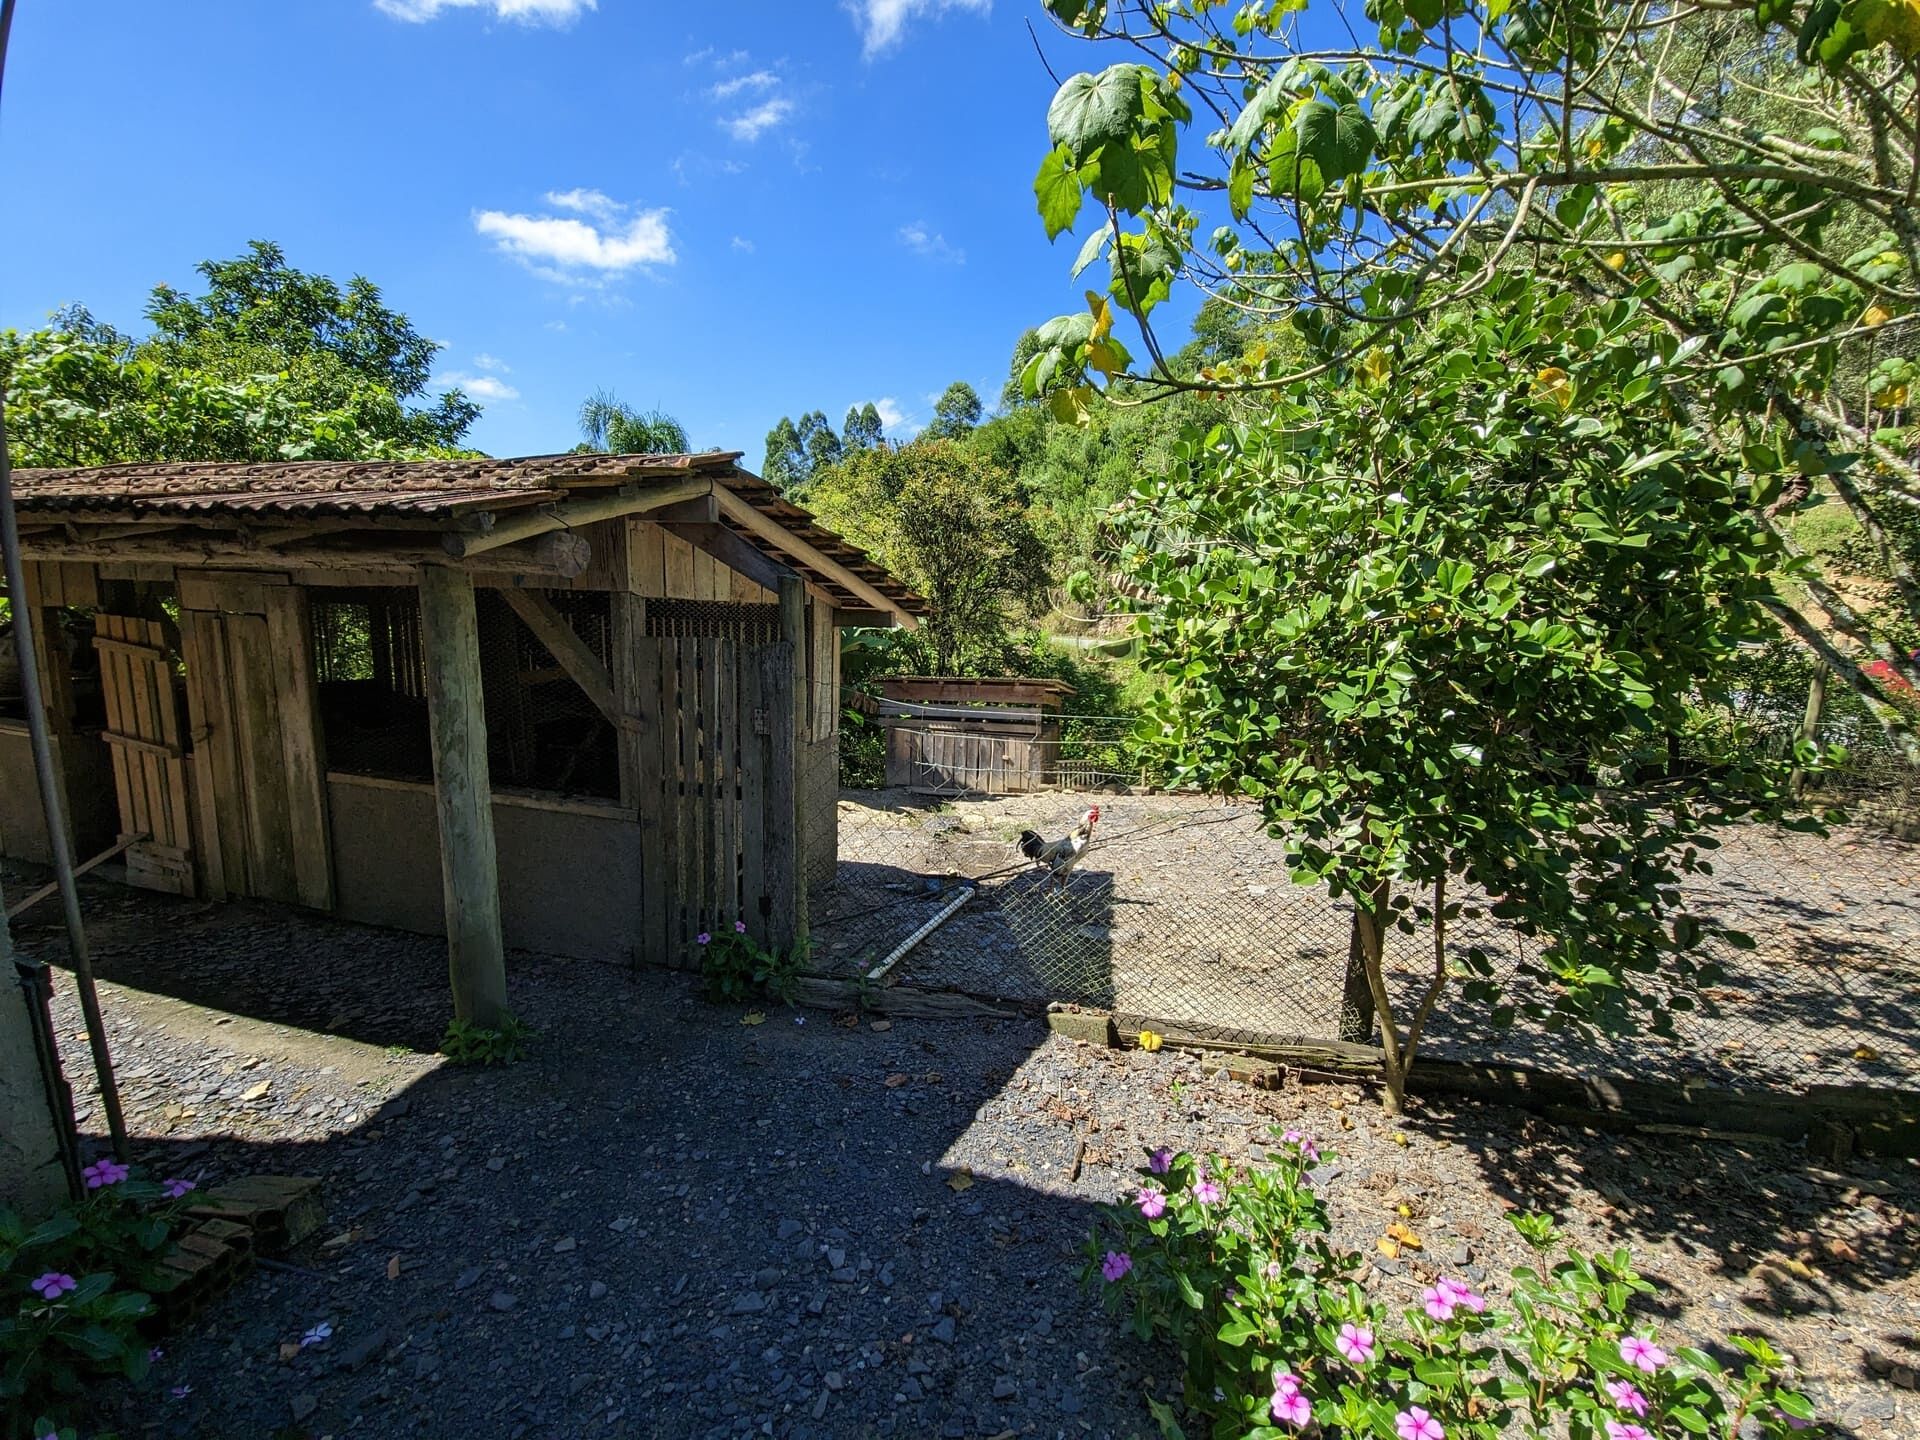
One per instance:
(149, 752)
(259, 778)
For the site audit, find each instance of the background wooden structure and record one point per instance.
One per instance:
(948, 735)
(670, 616)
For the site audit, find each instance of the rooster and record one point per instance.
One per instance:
(1060, 856)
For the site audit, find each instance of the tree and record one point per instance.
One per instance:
(823, 447)
(796, 451)
(259, 315)
(950, 525)
(1745, 174)
(613, 427)
(861, 429)
(956, 412)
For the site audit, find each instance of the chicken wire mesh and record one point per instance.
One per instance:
(1182, 911)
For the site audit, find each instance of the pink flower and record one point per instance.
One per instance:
(739, 927)
(1461, 1294)
(104, 1172)
(1440, 1301)
(1355, 1344)
(1160, 1161)
(1794, 1422)
(1272, 1270)
(1302, 1143)
(1289, 1405)
(1116, 1265)
(703, 938)
(1413, 1423)
(174, 1189)
(180, 1392)
(1623, 1394)
(1642, 1354)
(53, 1284)
(1619, 1430)
(1208, 1193)
(1152, 1203)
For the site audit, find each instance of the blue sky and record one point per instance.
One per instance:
(730, 211)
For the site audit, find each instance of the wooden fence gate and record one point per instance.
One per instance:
(149, 752)
(719, 841)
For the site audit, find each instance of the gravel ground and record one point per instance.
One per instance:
(672, 1222)
(1184, 912)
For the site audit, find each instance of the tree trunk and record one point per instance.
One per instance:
(1809, 727)
(1356, 998)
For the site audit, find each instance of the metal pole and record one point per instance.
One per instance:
(51, 805)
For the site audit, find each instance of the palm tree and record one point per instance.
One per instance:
(616, 428)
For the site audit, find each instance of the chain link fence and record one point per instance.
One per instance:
(1183, 912)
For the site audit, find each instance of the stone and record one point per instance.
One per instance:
(363, 1350)
(564, 1245)
(943, 1330)
(747, 1302)
(767, 1278)
(788, 1229)
(1005, 1387)
(597, 1290)
(501, 1300)
(303, 1406)
(467, 1278)
(834, 1380)
(836, 1258)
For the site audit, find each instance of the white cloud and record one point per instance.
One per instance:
(883, 23)
(586, 202)
(484, 361)
(917, 237)
(754, 123)
(758, 80)
(892, 417)
(525, 12)
(572, 251)
(743, 245)
(484, 388)
(720, 62)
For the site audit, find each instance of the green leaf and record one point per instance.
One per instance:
(1058, 190)
(1092, 111)
(1339, 139)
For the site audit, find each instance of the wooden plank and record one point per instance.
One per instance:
(80, 585)
(563, 642)
(302, 746)
(727, 708)
(574, 514)
(264, 787)
(223, 749)
(145, 747)
(113, 694)
(719, 784)
(139, 720)
(462, 786)
(199, 767)
(168, 735)
(647, 796)
(789, 722)
(753, 794)
(629, 621)
(693, 867)
(647, 559)
(679, 569)
(780, 851)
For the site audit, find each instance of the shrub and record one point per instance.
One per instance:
(73, 1291)
(737, 967)
(1236, 1269)
(468, 1044)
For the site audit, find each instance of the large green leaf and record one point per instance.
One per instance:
(1057, 189)
(1090, 111)
(1339, 139)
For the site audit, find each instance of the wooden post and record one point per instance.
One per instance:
(1809, 727)
(786, 852)
(463, 790)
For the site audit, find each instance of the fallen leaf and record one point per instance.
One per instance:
(961, 1179)
(393, 1268)
(288, 1349)
(1866, 1052)
(896, 1080)
(1403, 1212)
(754, 1017)
(342, 1240)
(1151, 1040)
(1400, 1138)
(1387, 1248)
(1406, 1237)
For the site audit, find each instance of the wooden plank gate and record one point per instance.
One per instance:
(716, 754)
(149, 751)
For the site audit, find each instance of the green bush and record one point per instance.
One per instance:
(738, 968)
(73, 1291)
(468, 1044)
(1235, 1269)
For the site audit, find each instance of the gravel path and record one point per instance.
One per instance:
(1184, 911)
(671, 1222)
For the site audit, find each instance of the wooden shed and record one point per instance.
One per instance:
(584, 704)
(950, 735)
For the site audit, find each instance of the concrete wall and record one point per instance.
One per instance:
(569, 878)
(92, 811)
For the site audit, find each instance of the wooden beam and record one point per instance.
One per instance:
(730, 550)
(846, 619)
(770, 530)
(568, 515)
(702, 510)
(463, 796)
(563, 642)
(404, 558)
